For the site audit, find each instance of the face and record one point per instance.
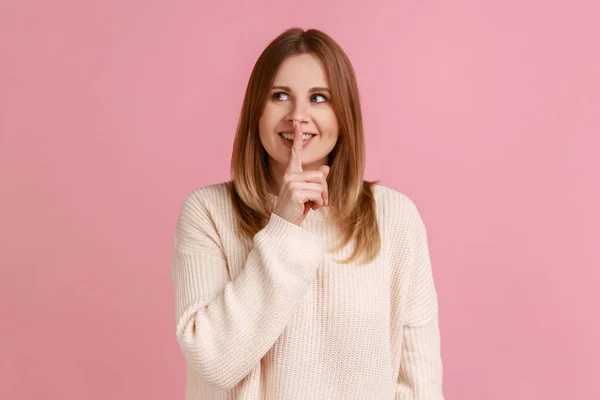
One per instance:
(300, 92)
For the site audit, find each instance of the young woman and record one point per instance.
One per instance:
(297, 279)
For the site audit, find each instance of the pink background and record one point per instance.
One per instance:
(485, 113)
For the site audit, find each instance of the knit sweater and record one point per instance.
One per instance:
(278, 318)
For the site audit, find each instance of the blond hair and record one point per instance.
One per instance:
(351, 199)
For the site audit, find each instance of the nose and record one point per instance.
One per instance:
(298, 112)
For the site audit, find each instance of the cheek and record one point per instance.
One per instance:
(271, 113)
(266, 124)
(328, 124)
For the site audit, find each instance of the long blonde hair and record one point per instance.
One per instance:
(351, 199)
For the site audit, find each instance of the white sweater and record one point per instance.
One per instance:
(277, 318)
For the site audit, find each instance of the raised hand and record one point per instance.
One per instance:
(301, 190)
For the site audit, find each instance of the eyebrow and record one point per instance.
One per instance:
(312, 90)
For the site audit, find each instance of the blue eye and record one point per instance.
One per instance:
(320, 95)
(278, 93)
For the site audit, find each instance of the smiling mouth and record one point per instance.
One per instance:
(290, 136)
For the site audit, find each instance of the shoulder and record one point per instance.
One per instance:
(398, 216)
(199, 222)
(206, 203)
(207, 197)
(392, 202)
(202, 214)
(213, 193)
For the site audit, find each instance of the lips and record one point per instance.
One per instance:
(291, 136)
(289, 143)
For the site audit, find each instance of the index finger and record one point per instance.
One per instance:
(295, 164)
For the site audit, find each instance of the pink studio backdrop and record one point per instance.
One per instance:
(485, 113)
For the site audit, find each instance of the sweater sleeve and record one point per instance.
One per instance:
(223, 326)
(420, 370)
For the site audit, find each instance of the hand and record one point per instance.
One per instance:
(301, 191)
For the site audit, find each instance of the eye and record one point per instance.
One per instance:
(320, 95)
(277, 94)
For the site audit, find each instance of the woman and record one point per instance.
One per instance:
(297, 279)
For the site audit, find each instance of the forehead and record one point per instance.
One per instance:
(301, 72)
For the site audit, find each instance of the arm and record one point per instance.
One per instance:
(417, 332)
(224, 327)
(420, 375)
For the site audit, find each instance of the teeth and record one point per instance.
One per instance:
(290, 136)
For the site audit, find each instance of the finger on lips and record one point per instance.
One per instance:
(295, 162)
(296, 155)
